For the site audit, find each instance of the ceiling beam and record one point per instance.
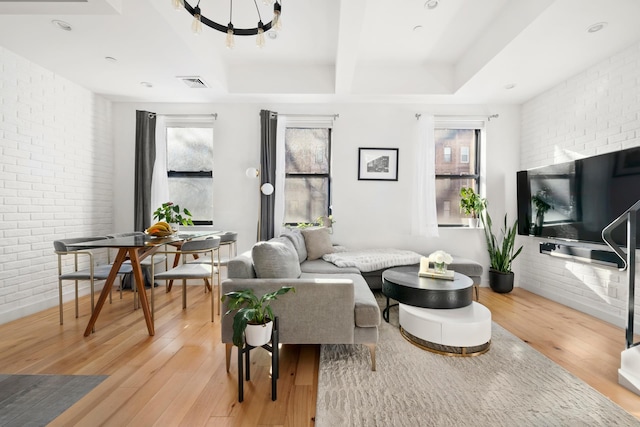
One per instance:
(351, 19)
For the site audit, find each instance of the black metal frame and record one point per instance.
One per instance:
(630, 217)
(397, 163)
(223, 28)
(275, 364)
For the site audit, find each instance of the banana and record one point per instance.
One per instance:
(164, 225)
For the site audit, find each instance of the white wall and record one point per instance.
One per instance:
(368, 214)
(55, 179)
(594, 112)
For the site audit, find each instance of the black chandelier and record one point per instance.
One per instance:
(229, 29)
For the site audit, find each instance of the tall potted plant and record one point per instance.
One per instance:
(502, 252)
(472, 204)
(253, 322)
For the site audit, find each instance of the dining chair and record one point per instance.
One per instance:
(199, 269)
(92, 273)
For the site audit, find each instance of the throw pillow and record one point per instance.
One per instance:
(317, 242)
(296, 238)
(275, 260)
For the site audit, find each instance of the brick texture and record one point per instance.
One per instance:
(56, 158)
(594, 112)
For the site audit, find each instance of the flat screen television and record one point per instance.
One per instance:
(576, 200)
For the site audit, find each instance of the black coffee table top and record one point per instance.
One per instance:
(405, 286)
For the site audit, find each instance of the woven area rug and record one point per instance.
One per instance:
(36, 400)
(510, 385)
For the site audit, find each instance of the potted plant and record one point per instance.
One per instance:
(501, 254)
(471, 204)
(172, 214)
(253, 322)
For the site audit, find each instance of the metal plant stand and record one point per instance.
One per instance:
(244, 353)
(629, 372)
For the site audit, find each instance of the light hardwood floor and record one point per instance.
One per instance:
(178, 376)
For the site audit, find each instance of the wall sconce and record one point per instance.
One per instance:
(266, 188)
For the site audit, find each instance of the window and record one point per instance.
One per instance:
(447, 155)
(190, 168)
(307, 189)
(453, 175)
(464, 154)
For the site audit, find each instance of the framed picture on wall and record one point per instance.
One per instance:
(378, 164)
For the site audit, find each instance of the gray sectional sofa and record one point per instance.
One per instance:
(331, 305)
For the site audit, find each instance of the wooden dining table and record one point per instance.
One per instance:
(134, 248)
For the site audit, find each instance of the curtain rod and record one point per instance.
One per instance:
(335, 116)
(461, 117)
(214, 115)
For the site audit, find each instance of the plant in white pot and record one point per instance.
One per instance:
(253, 321)
(472, 204)
(502, 252)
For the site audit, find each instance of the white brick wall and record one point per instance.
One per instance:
(55, 179)
(595, 112)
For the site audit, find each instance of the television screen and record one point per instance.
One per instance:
(576, 200)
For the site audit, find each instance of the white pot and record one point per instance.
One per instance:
(474, 222)
(258, 335)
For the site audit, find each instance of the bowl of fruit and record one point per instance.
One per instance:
(160, 229)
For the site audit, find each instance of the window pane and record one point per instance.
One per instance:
(307, 150)
(189, 149)
(194, 194)
(449, 142)
(305, 199)
(448, 199)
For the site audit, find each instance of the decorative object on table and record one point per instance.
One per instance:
(472, 204)
(378, 164)
(440, 260)
(253, 321)
(502, 252)
(541, 202)
(172, 214)
(160, 229)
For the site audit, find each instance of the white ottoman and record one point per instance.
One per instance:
(462, 331)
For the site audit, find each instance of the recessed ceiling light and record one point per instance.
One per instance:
(62, 25)
(418, 28)
(510, 86)
(110, 59)
(272, 35)
(431, 4)
(146, 84)
(594, 28)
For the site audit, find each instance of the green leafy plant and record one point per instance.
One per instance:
(251, 309)
(471, 203)
(501, 250)
(322, 221)
(172, 214)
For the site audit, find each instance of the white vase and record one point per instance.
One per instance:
(258, 335)
(474, 222)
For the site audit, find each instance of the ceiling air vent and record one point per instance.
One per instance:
(194, 82)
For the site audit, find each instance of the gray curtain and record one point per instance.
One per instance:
(145, 158)
(268, 125)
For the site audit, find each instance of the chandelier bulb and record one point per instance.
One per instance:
(276, 24)
(196, 25)
(178, 4)
(230, 42)
(260, 35)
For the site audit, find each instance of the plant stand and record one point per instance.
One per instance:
(245, 352)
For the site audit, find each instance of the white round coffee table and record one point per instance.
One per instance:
(464, 331)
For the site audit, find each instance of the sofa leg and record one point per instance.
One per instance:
(372, 351)
(228, 347)
(476, 288)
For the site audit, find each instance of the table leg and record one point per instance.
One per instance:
(106, 290)
(176, 261)
(142, 293)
